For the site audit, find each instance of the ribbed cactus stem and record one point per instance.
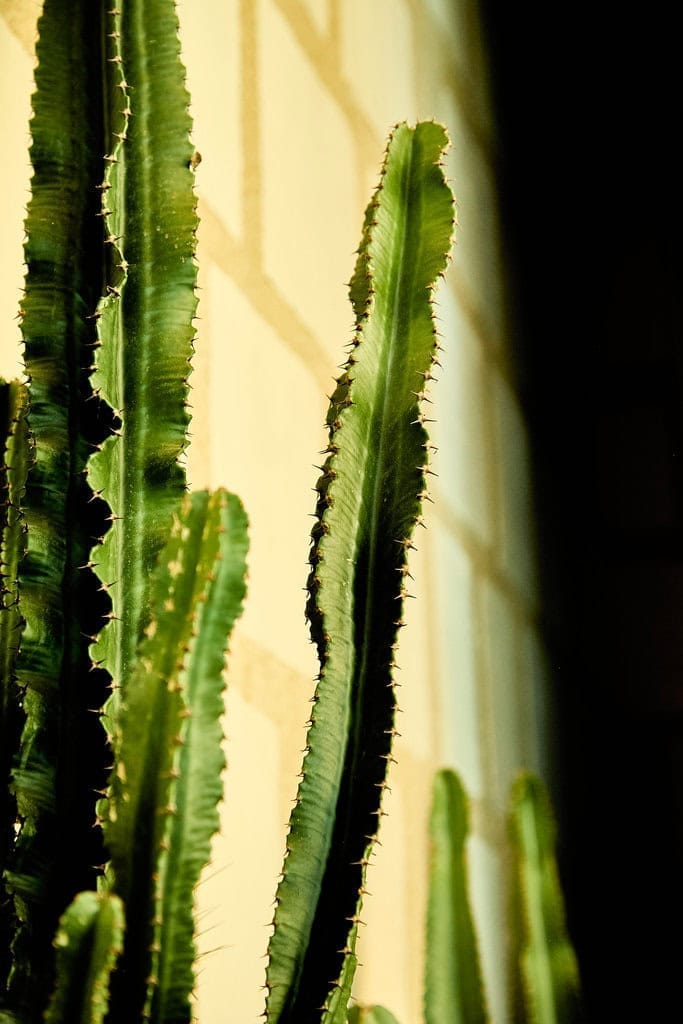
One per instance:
(161, 813)
(62, 755)
(14, 460)
(453, 989)
(545, 966)
(89, 940)
(370, 496)
(145, 319)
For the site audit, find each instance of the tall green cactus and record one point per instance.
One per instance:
(145, 321)
(370, 495)
(128, 591)
(54, 777)
(108, 326)
(161, 812)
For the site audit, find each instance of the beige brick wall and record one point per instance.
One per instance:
(292, 100)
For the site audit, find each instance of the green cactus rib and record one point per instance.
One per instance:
(200, 761)
(146, 322)
(56, 847)
(161, 813)
(14, 456)
(454, 990)
(545, 959)
(88, 941)
(370, 496)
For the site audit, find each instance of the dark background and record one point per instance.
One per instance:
(588, 106)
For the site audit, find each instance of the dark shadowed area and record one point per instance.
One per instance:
(588, 101)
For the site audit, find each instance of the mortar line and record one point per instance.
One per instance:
(250, 133)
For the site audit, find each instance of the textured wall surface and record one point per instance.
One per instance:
(292, 100)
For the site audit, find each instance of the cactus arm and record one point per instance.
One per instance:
(546, 960)
(63, 285)
(146, 327)
(157, 825)
(369, 500)
(454, 990)
(200, 763)
(14, 458)
(88, 942)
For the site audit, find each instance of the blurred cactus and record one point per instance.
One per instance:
(453, 991)
(88, 942)
(546, 975)
(543, 968)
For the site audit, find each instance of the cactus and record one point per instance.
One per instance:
(88, 942)
(161, 812)
(544, 968)
(369, 499)
(547, 976)
(13, 455)
(128, 590)
(89, 500)
(453, 989)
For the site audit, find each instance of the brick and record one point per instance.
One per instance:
(319, 13)
(233, 916)
(501, 643)
(465, 454)
(378, 60)
(210, 37)
(386, 957)
(489, 909)
(515, 489)
(265, 419)
(459, 714)
(478, 266)
(459, 22)
(417, 694)
(311, 221)
(21, 18)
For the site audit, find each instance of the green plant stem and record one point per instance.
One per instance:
(369, 501)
